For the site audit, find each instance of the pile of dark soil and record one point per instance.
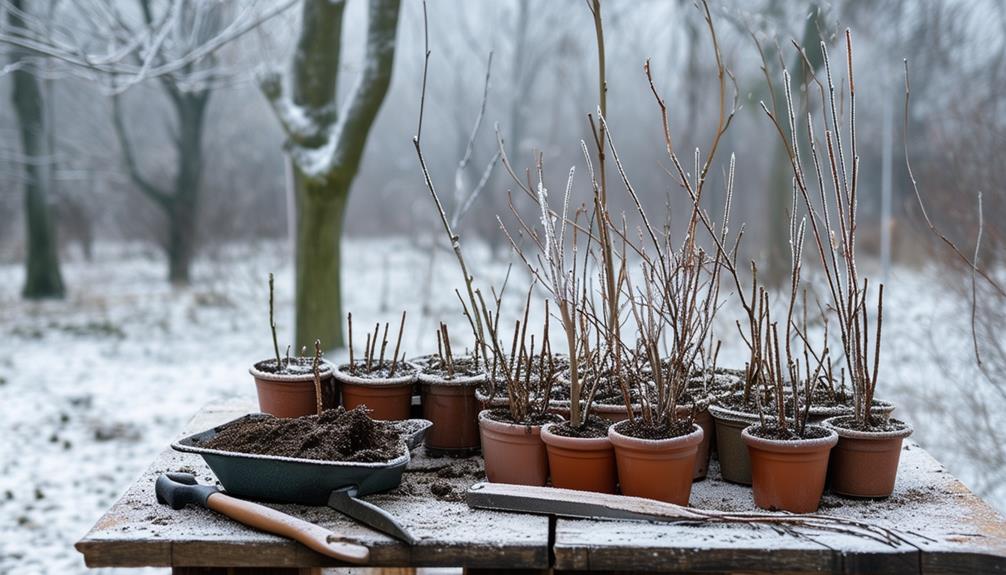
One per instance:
(592, 428)
(787, 434)
(290, 366)
(875, 425)
(378, 370)
(640, 430)
(335, 435)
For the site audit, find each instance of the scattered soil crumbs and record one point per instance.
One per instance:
(592, 428)
(290, 366)
(463, 468)
(787, 434)
(378, 370)
(445, 491)
(640, 430)
(335, 435)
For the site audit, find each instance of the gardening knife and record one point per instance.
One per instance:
(181, 489)
(345, 501)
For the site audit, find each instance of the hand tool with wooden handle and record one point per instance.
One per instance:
(181, 489)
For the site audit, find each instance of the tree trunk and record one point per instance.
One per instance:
(183, 212)
(321, 209)
(42, 277)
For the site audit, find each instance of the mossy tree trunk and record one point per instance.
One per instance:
(325, 146)
(42, 273)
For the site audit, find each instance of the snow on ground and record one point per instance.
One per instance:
(93, 387)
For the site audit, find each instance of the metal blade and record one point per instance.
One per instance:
(345, 502)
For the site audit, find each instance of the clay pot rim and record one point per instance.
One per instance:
(868, 435)
(882, 407)
(618, 438)
(505, 426)
(575, 442)
(467, 381)
(789, 445)
(720, 412)
(327, 369)
(345, 377)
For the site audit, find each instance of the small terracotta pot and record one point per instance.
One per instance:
(660, 469)
(513, 453)
(818, 414)
(789, 475)
(452, 407)
(865, 464)
(585, 464)
(293, 395)
(388, 399)
(613, 413)
(735, 462)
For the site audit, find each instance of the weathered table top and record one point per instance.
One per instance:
(947, 528)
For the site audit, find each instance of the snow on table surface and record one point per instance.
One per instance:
(138, 531)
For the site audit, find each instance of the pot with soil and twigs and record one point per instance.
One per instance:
(789, 459)
(382, 383)
(447, 388)
(286, 385)
(865, 461)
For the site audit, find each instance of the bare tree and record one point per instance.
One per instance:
(42, 277)
(325, 146)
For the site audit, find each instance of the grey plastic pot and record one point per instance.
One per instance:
(735, 462)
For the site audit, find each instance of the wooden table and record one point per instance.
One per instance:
(948, 529)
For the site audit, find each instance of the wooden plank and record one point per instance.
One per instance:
(137, 531)
(946, 529)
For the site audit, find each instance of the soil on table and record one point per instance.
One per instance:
(640, 430)
(787, 433)
(378, 370)
(876, 425)
(594, 427)
(503, 415)
(302, 365)
(335, 435)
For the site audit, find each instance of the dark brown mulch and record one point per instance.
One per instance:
(876, 425)
(291, 366)
(787, 433)
(592, 428)
(503, 416)
(640, 430)
(377, 370)
(335, 435)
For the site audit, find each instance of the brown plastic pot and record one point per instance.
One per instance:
(452, 407)
(387, 399)
(789, 475)
(513, 453)
(293, 395)
(584, 464)
(865, 464)
(735, 462)
(660, 469)
(819, 413)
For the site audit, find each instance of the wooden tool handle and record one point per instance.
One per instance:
(267, 519)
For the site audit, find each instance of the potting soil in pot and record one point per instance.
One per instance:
(335, 435)
(290, 366)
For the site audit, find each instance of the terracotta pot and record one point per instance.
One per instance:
(789, 475)
(452, 407)
(818, 414)
(660, 469)
(387, 399)
(585, 464)
(613, 413)
(513, 453)
(865, 464)
(735, 463)
(293, 395)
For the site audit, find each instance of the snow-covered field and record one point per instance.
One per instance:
(93, 387)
